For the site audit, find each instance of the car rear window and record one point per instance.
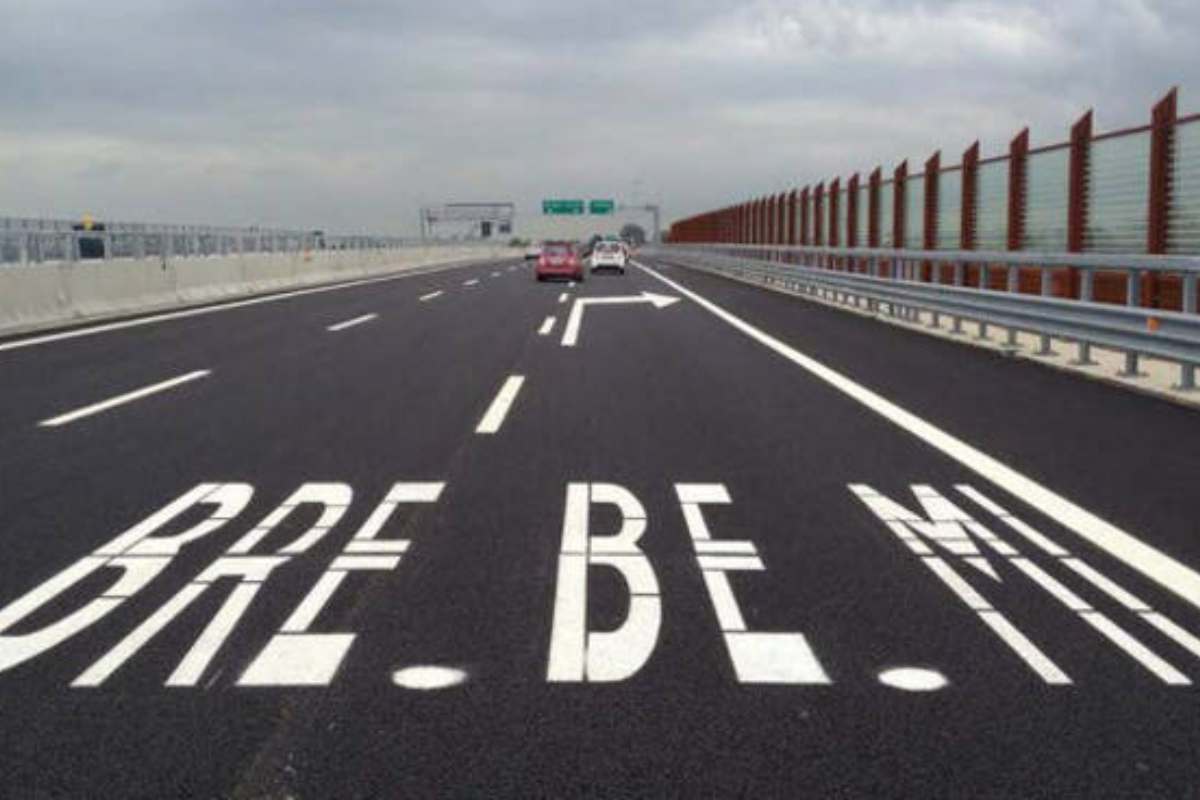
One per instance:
(556, 250)
(607, 247)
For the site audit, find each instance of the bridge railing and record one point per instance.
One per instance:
(33, 241)
(988, 288)
(1125, 192)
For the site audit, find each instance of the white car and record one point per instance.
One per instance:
(533, 252)
(609, 255)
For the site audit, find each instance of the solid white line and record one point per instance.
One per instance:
(427, 297)
(496, 413)
(1030, 653)
(547, 326)
(195, 312)
(574, 320)
(350, 323)
(1145, 558)
(1135, 649)
(129, 397)
(471, 282)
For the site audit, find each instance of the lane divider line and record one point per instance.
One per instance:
(119, 400)
(471, 282)
(1145, 558)
(547, 326)
(498, 410)
(425, 298)
(562, 298)
(414, 272)
(350, 323)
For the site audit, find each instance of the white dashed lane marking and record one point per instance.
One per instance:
(498, 410)
(122, 399)
(350, 323)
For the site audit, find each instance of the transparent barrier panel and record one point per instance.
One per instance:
(1046, 201)
(886, 214)
(843, 211)
(991, 206)
(1184, 217)
(949, 216)
(914, 212)
(1119, 195)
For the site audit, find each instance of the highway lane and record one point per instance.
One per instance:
(757, 675)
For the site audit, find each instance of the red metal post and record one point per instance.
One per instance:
(874, 182)
(791, 217)
(1018, 158)
(804, 216)
(819, 215)
(970, 197)
(852, 212)
(771, 219)
(1162, 119)
(1077, 194)
(783, 205)
(929, 237)
(835, 200)
(899, 206)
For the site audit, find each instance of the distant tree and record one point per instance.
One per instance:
(634, 233)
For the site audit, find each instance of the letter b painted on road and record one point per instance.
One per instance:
(578, 655)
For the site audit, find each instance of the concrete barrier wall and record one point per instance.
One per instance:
(51, 294)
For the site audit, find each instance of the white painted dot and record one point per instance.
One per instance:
(426, 678)
(913, 679)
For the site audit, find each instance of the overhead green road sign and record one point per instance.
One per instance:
(601, 207)
(562, 206)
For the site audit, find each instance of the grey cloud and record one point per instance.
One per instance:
(349, 114)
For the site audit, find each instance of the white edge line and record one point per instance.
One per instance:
(498, 410)
(212, 309)
(350, 323)
(128, 397)
(1151, 562)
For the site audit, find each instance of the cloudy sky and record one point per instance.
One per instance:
(349, 114)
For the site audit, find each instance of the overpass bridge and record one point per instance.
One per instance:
(409, 522)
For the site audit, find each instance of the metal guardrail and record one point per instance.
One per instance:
(33, 241)
(875, 279)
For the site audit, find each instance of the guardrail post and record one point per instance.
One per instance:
(1133, 298)
(1047, 289)
(23, 248)
(1087, 283)
(984, 275)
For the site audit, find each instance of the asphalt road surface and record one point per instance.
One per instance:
(465, 534)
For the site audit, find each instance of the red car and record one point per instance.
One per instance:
(559, 260)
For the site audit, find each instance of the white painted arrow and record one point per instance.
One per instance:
(571, 333)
